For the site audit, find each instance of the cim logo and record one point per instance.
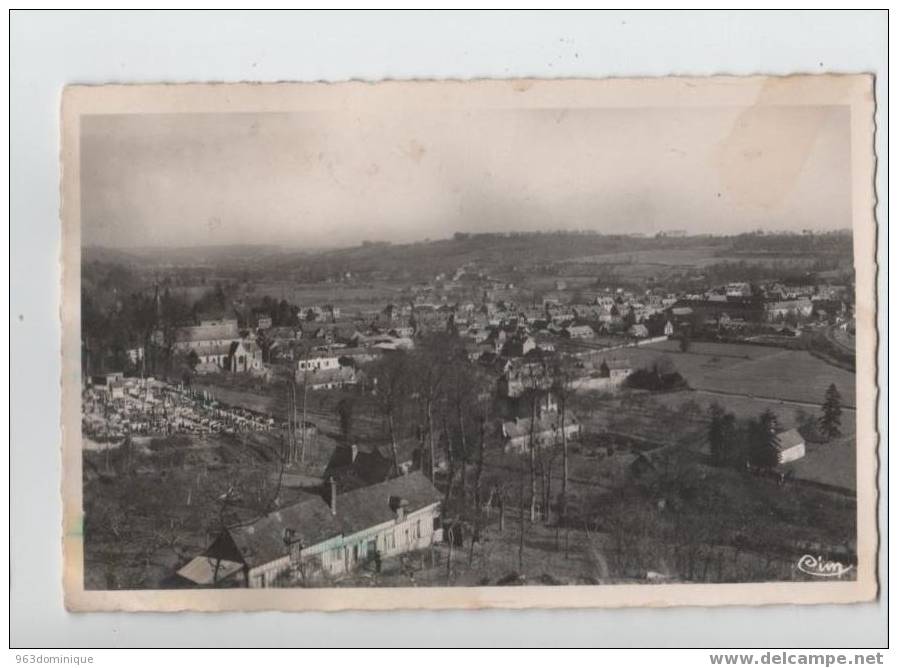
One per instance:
(822, 568)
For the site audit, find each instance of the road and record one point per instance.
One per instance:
(789, 402)
(840, 338)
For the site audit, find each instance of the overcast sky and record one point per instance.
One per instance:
(321, 179)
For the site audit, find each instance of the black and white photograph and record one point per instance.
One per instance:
(513, 343)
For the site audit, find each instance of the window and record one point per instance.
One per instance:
(418, 529)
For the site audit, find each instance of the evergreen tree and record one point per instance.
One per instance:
(729, 438)
(762, 440)
(831, 420)
(345, 409)
(715, 433)
(722, 436)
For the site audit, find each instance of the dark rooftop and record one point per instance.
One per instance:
(311, 521)
(263, 540)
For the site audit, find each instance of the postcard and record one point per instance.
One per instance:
(469, 344)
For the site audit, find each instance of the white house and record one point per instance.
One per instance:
(640, 331)
(789, 446)
(740, 289)
(546, 430)
(316, 363)
(135, 355)
(579, 332)
(610, 377)
(776, 310)
(328, 379)
(315, 540)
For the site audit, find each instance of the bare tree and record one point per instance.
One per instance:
(478, 463)
(521, 519)
(563, 375)
(534, 380)
(391, 375)
(432, 359)
(468, 392)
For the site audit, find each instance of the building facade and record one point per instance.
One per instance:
(317, 540)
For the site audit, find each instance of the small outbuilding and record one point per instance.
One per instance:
(790, 446)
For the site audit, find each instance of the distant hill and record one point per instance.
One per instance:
(109, 255)
(498, 252)
(186, 255)
(495, 252)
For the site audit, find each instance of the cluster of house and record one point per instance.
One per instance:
(326, 347)
(544, 427)
(586, 314)
(389, 506)
(448, 301)
(738, 306)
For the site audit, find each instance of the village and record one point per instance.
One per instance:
(472, 415)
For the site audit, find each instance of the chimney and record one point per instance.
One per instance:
(333, 484)
(398, 506)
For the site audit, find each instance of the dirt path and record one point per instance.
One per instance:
(789, 402)
(839, 338)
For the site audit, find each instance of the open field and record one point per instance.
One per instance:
(762, 372)
(790, 376)
(833, 464)
(321, 406)
(642, 416)
(747, 380)
(748, 407)
(694, 257)
(738, 351)
(679, 257)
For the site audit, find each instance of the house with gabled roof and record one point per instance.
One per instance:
(581, 331)
(316, 539)
(546, 429)
(789, 446)
(373, 463)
